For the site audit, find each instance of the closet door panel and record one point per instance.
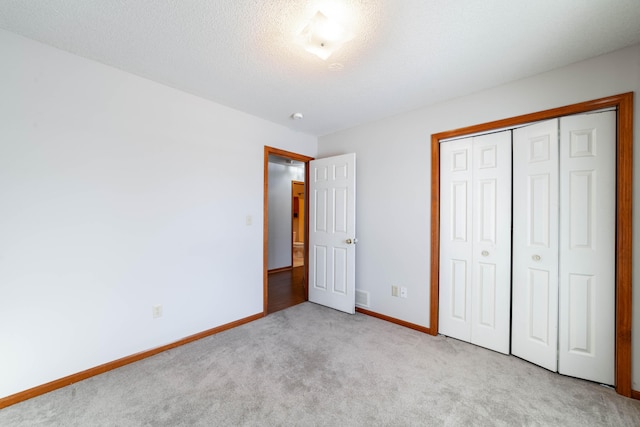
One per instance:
(491, 288)
(538, 294)
(534, 328)
(455, 239)
(587, 246)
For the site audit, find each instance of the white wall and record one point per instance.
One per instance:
(394, 176)
(280, 231)
(117, 193)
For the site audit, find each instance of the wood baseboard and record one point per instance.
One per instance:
(97, 370)
(394, 320)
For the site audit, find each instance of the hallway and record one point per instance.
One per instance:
(286, 288)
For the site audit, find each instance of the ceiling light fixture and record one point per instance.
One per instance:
(297, 116)
(323, 36)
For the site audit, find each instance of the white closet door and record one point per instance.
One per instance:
(587, 246)
(491, 267)
(456, 245)
(475, 240)
(534, 328)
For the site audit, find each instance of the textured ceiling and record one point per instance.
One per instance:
(405, 53)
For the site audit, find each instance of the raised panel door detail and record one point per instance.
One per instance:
(487, 288)
(581, 209)
(488, 210)
(321, 211)
(340, 210)
(487, 157)
(539, 210)
(340, 270)
(459, 209)
(582, 143)
(340, 172)
(459, 160)
(459, 289)
(538, 308)
(320, 267)
(581, 310)
(539, 148)
(321, 174)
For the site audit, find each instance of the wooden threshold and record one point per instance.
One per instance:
(280, 270)
(97, 370)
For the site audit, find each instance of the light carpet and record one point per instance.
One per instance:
(313, 366)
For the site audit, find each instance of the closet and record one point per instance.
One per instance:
(551, 298)
(475, 245)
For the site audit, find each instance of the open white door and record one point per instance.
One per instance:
(332, 226)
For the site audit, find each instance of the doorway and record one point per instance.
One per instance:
(298, 203)
(285, 272)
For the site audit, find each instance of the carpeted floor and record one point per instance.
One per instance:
(313, 366)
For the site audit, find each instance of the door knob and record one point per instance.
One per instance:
(352, 241)
(536, 257)
(485, 253)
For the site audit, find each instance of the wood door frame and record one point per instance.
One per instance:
(265, 220)
(624, 218)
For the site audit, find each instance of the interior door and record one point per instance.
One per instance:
(586, 347)
(491, 271)
(475, 245)
(332, 226)
(534, 324)
(456, 241)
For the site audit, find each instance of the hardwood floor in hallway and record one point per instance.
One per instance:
(286, 288)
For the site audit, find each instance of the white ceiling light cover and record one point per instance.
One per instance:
(323, 36)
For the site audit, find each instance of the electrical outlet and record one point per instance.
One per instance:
(394, 291)
(403, 292)
(156, 311)
(248, 220)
